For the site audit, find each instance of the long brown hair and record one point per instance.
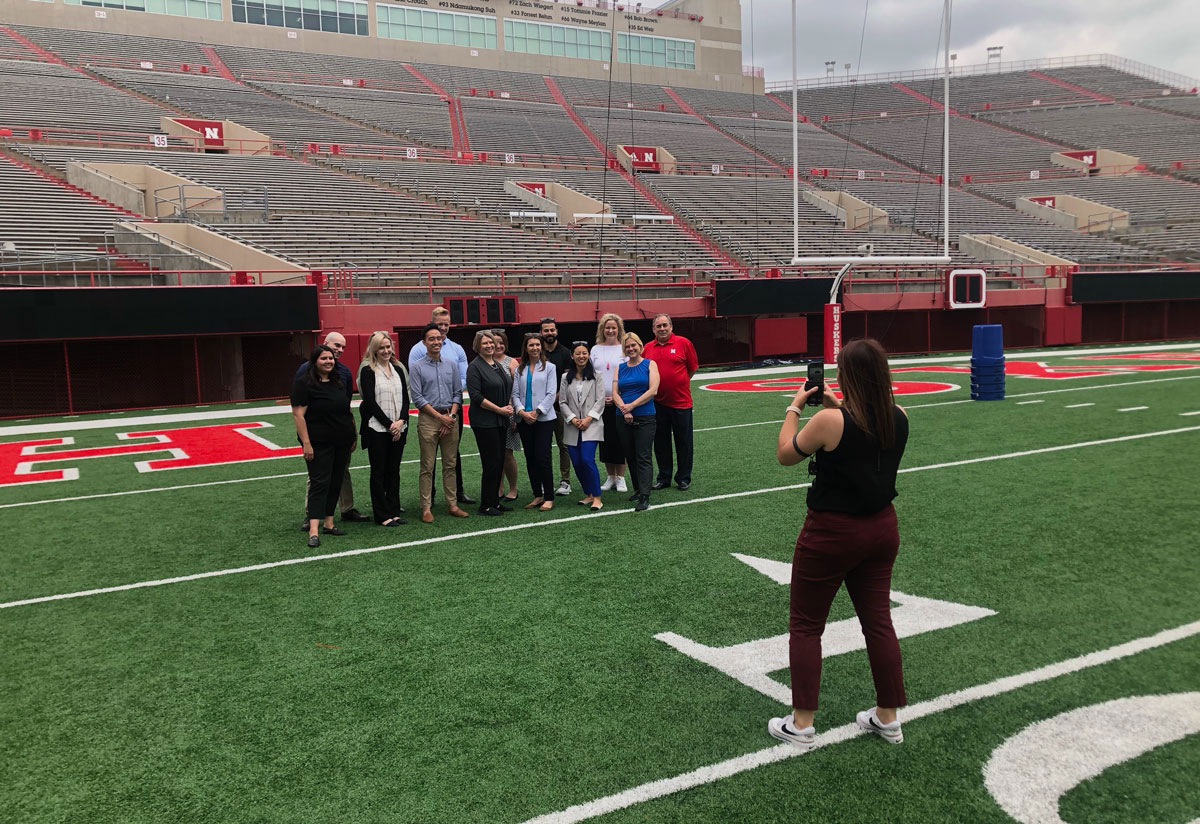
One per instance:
(866, 385)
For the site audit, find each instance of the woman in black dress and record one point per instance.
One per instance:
(490, 387)
(325, 429)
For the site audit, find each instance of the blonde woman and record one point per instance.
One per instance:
(384, 430)
(633, 389)
(490, 386)
(607, 355)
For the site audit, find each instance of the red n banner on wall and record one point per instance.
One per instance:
(212, 131)
(1088, 156)
(1047, 200)
(538, 189)
(643, 157)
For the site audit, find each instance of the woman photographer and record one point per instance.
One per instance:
(850, 534)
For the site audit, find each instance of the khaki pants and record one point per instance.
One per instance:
(427, 434)
(345, 498)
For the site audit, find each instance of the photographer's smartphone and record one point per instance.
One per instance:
(816, 377)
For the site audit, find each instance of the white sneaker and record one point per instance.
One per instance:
(604, 487)
(621, 484)
(564, 488)
(869, 721)
(785, 730)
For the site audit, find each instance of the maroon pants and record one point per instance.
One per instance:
(832, 548)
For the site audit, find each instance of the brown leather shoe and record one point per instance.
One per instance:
(455, 512)
(427, 517)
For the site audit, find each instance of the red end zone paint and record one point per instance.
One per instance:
(792, 384)
(30, 462)
(1039, 369)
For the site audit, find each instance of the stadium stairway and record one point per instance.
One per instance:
(687, 109)
(12, 155)
(717, 251)
(217, 63)
(1078, 89)
(933, 104)
(45, 54)
(458, 131)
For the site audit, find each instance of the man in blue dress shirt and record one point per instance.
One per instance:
(454, 352)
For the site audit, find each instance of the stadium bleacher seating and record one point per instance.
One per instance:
(75, 47)
(47, 95)
(376, 208)
(421, 118)
(214, 97)
(480, 188)
(523, 127)
(920, 205)
(47, 223)
(688, 139)
(1155, 138)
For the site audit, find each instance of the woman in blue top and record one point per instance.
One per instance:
(634, 387)
(534, 388)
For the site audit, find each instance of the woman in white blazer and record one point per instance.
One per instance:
(581, 403)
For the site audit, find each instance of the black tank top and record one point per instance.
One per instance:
(856, 476)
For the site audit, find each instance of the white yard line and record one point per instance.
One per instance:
(1077, 405)
(1186, 414)
(558, 521)
(1023, 403)
(191, 486)
(1133, 409)
(781, 752)
(475, 454)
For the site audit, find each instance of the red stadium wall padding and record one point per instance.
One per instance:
(1102, 322)
(1064, 325)
(1183, 319)
(1145, 321)
(779, 336)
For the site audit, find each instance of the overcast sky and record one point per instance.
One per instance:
(903, 34)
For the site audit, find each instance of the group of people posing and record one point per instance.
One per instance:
(628, 400)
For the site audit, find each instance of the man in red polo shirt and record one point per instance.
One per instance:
(676, 359)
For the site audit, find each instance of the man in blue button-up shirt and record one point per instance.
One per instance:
(451, 351)
(436, 388)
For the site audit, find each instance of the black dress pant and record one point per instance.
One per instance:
(673, 423)
(385, 456)
(490, 440)
(325, 473)
(637, 439)
(535, 440)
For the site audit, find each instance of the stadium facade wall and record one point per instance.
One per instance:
(716, 32)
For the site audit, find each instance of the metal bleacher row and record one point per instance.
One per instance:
(368, 205)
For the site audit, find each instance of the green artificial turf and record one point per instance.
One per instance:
(500, 676)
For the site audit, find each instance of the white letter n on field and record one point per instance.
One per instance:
(751, 662)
